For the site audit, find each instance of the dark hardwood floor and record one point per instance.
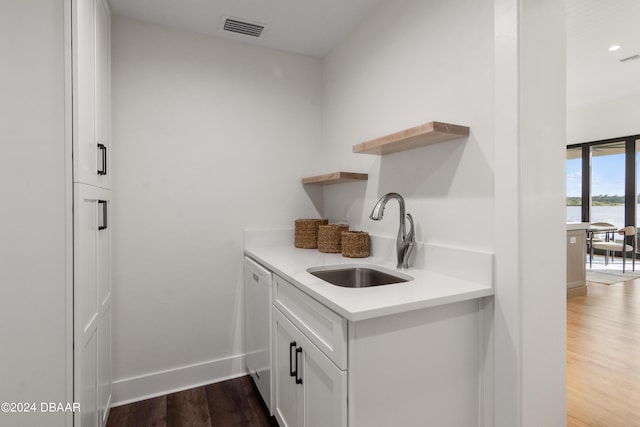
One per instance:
(230, 403)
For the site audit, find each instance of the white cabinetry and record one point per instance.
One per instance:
(325, 328)
(419, 367)
(310, 389)
(91, 87)
(90, 35)
(92, 304)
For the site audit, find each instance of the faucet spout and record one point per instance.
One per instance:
(405, 241)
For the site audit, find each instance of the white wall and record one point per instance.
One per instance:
(409, 63)
(416, 61)
(35, 211)
(606, 119)
(542, 240)
(529, 327)
(209, 136)
(180, 204)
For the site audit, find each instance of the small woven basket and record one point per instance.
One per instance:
(306, 232)
(330, 237)
(355, 244)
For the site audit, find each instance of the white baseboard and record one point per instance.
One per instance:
(160, 383)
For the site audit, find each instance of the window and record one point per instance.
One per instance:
(602, 181)
(608, 183)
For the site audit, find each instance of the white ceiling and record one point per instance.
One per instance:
(593, 73)
(314, 27)
(307, 27)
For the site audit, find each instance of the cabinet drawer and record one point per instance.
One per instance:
(326, 329)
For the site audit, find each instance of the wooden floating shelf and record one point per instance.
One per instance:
(335, 178)
(419, 136)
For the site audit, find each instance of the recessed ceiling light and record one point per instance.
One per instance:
(614, 47)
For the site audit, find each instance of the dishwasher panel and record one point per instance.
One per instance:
(257, 326)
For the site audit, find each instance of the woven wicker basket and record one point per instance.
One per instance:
(355, 244)
(330, 237)
(306, 234)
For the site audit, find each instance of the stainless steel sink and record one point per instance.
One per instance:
(358, 276)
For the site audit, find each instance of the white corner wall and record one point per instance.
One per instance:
(542, 236)
(35, 211)
(209, 137)
(408, 63)
(606, 119)
(178, 219)
(411, 62)
(530, 251)
(416, 61)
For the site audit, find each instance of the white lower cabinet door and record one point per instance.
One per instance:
(104, 366)
(286, 390)
(324, 389)
(311, 391)
(86, 379)
(92, 305)
(104, 306)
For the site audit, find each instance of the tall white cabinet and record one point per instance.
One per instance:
(91, 86)
(92, 207)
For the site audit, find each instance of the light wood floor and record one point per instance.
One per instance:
(603, 356)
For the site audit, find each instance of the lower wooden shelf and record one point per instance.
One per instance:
(335, 178)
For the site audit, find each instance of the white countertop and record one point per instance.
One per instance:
(577, 226)
(427, 289)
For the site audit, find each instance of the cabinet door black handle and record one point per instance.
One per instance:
(103, 152)
(292, 372)
(103, 226)
(298, 379)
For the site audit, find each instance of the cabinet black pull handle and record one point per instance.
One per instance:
(292, 373)
(103, 226)
(298, 379)
(103, 152)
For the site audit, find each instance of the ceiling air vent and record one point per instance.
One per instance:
(235, 25)
(630, 58)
